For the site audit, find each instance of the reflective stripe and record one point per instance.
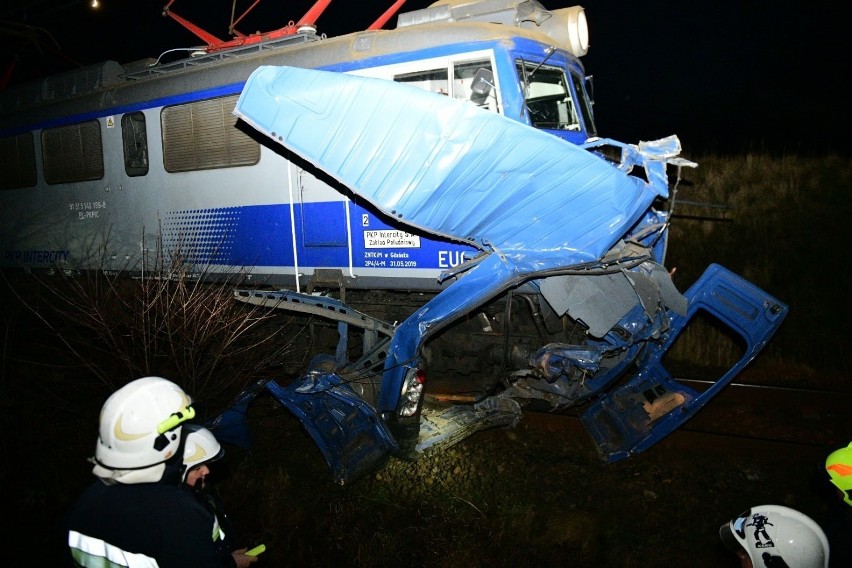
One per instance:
(94, 553)
(840, 469)
(218, 533)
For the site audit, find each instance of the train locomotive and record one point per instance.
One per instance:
(438, 192)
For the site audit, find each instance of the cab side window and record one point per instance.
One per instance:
(464, 86)
(134, 136)
(432, 80)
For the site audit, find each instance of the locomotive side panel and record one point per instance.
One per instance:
(175, 170)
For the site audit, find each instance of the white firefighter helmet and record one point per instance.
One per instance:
(140, 424)
(201, 446)
(770, 533)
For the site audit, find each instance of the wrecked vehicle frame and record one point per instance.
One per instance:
(554, 222)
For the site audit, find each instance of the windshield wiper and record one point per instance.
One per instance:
(549, 51)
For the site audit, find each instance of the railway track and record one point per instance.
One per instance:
(776, 422)
(785, 415)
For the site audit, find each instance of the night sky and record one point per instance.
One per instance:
(724, 76)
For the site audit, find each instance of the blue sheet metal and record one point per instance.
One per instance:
(641, 411)
(533, 202)
(450, 168)
(342, 425)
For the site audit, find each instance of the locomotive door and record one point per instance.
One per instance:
(322, 230)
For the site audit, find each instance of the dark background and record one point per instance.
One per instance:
(726, 77)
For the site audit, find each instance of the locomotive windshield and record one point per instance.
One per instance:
(549, 100)
(584, 104)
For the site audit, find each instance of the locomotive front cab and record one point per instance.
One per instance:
(534, 83)
(554, 97)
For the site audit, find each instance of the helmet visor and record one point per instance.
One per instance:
(728, 538)
(732, 533)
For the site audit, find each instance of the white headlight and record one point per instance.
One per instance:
(569, 28)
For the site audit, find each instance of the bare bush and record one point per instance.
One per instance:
(170, 320)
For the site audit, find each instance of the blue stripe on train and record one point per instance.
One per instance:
(261, 235)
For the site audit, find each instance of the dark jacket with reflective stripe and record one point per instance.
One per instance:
(164, 522)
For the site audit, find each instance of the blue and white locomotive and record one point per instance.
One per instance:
(439, 188)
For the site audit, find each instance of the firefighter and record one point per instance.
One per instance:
(838, 466)
(776, 536)
(202, 449)
(137, 513)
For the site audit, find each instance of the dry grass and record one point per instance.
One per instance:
(783, 228)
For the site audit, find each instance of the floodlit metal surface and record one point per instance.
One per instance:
(652, 403)
(531, 200)
(341, 424)
(450, 168)
(575, 227)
